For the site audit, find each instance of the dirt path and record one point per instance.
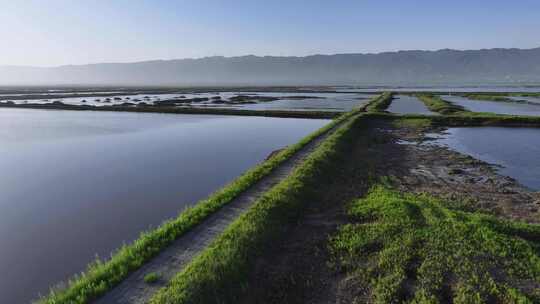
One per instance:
(294, 269)
(170, 261)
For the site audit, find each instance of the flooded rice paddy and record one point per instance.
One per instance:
(76, 184)
(515, 150)
(497, 107)
(284, 101)
(404, 104)
(321, 101)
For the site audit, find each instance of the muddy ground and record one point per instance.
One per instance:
(445, 173)
(298, 269)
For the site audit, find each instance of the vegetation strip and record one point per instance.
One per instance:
(409, 248)
(501, 96)
(218, 274)
(102, 276)
(490, 97)
(380, 103)
(177, 110)
(488, 119)
(504, 98)
(437, 104)
(468, 119)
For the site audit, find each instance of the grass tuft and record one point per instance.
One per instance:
(152, 277)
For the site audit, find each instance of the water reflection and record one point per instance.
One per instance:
(288, 101)
(404, 104)
(79, 183)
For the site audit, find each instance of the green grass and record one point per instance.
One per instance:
(152, 277)
(489, 97)
(380, 103)
(500, 96)
(463, 119)
(407, 248)
(102, 275)
(485, 119)
(437, 104)
(526, 94)
(416, 123)
(219, 273)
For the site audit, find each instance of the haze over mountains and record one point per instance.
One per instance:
(488, 66)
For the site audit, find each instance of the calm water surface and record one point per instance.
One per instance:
(404, 104)
(325, 102)
(77, 184)
(517, 150)
(495, 106)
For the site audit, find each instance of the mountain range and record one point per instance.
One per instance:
(486, 66)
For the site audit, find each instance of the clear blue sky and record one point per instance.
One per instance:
(56, 32)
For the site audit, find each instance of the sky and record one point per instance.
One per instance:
(61, 32)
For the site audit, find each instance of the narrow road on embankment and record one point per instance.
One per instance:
(135, 290)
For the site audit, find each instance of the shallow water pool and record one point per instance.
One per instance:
(404, 104)
(517, 150)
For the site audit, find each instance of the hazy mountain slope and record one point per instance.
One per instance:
(404, 67)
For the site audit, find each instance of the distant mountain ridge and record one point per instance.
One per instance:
(486, 66)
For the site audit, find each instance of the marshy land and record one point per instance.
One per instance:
(270, 195)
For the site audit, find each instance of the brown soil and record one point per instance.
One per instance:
(448, 174)
(298, 269)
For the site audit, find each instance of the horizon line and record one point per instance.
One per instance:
(272, 56)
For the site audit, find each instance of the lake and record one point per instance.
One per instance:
(77, 184)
